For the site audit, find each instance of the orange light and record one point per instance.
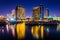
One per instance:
(20, 28)
(34, 31)
(42, 32)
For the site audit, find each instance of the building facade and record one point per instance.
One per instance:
(13, 13)
(47, 12)
(38, 12)
(41, 12)
(20, 12)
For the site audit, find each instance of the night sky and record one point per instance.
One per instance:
(6, 6)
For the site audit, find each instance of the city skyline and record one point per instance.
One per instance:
(7, 6)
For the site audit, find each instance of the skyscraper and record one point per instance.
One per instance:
(41, 12)
(20, 12)
(36, 13)
(47, 12)
(13, 13)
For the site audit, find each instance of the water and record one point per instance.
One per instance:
(32, 32)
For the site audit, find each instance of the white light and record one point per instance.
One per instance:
(12, 19)
(7, 19)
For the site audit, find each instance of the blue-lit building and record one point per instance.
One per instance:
(41, 12)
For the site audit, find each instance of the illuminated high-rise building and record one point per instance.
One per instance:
(13, 12)
(20, 12)
(38, 12)
(47, 12)
(41, 12)
(8, 16)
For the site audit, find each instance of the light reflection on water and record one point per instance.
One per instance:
(20, 28)
(34, 31)
(37, 31)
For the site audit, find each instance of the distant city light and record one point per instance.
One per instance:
(7, 19)
(12, 19)
(50, 17)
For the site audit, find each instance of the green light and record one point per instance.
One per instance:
(50, 17)
(46, 16)
(57, 18)
(47, 29)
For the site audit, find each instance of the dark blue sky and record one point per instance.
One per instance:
(7, 5)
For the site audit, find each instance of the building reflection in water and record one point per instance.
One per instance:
(58, 27)
(12, 27)
(34, 31)
(37, 31)
(20, 28)
(7, 28)
(42, 32)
